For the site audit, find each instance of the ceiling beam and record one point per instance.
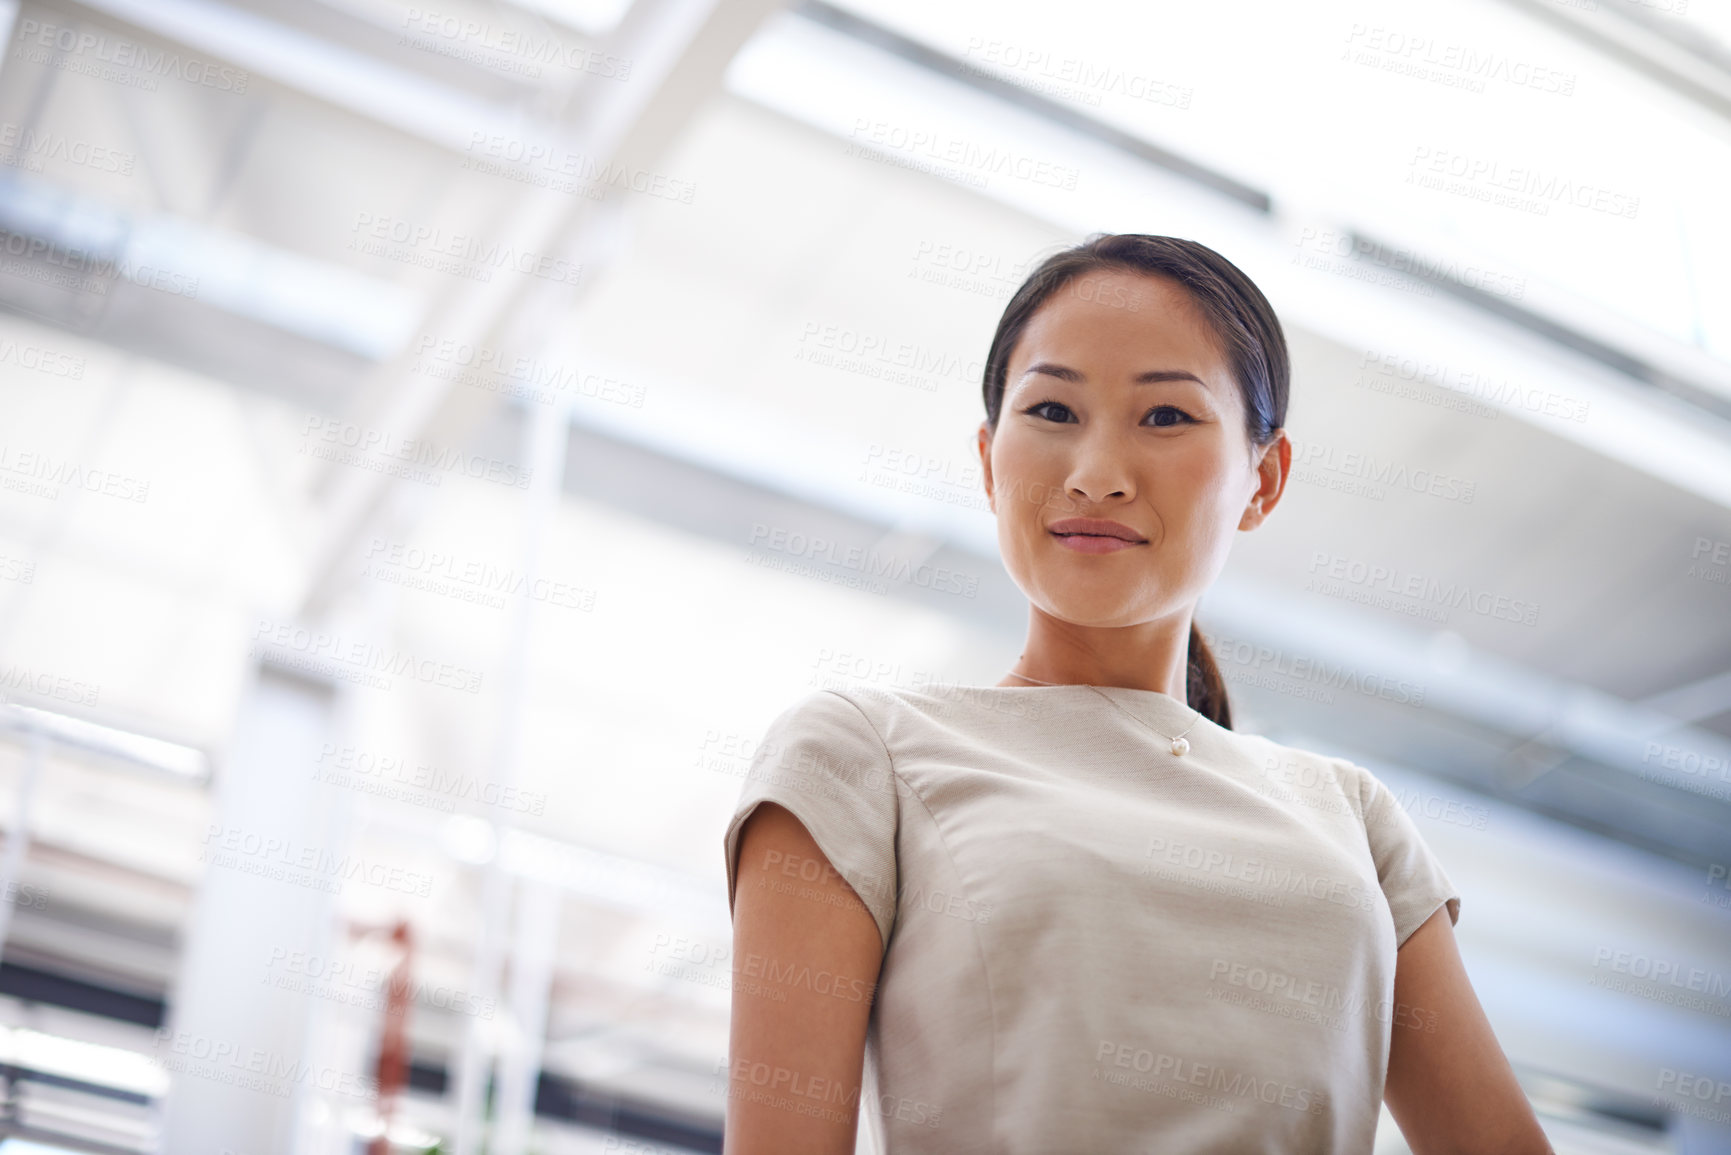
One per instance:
(679, 51)
(1659, 48)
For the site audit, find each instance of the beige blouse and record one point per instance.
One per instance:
(1092, 944)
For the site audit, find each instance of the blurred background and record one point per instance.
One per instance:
(435, 442)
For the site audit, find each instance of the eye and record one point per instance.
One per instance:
(1063, 409)
(1165, 416)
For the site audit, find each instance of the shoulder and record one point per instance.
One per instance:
(905, 721)
(848, 724)
(888, 711)
(1310, 772)
(850, 705)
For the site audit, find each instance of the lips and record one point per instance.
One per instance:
(1094, 527)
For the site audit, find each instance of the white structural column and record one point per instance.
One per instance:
(234, 1043)
(546, 433)
(533, 940)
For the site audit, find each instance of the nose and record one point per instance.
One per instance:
(1100, 470)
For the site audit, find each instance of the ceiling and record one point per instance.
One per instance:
(776, 332)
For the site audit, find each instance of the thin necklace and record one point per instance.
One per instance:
(1179, 746)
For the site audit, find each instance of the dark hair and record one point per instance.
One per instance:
(1245, 325)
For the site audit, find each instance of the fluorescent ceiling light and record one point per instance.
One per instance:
(314, 299)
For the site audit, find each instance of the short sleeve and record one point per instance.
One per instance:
(1412, 877)
(822, 759)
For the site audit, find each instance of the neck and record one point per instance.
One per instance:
(1148, 656)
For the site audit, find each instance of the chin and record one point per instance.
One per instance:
(1077, 603)
(1092, 617)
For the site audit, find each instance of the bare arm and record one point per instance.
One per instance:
(806, 954)
(1450, 1087)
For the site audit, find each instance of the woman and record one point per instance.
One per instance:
(1076, 911)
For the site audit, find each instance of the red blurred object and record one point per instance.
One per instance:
(393, 1070)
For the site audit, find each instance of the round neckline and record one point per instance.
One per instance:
(1146, 694)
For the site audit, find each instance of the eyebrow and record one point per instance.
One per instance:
(1152, 376)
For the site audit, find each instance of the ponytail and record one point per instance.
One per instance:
(1204, 688)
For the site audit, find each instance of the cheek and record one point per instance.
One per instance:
(1205, 498)
(1026, 477)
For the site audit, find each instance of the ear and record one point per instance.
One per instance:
(983, 442)
(1273, 466)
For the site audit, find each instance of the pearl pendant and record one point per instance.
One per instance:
(1180, 747)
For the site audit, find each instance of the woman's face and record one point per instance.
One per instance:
(1119, 405)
